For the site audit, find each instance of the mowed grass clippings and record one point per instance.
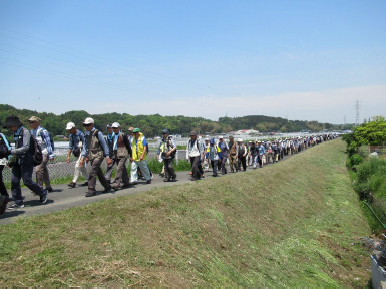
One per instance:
(295, 223)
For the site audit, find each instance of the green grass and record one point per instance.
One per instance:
(297, 223)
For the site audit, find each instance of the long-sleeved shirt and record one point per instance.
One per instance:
(43, 138)
(102, 143)
(26, 141)
(261, 150)
(74, 140)
(213, 153)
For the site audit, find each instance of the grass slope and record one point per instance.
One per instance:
(296, 223)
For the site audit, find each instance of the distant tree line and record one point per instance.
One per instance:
(152, 125)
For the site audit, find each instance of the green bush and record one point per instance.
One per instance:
(371, 178)
(355, 160)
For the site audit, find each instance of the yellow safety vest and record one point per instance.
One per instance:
(137, 148)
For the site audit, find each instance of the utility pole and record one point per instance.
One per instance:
(357, 108)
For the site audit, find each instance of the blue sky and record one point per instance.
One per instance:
(308, 60)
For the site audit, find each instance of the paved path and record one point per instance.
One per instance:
(64, 197)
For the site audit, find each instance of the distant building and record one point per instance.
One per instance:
(245, 132)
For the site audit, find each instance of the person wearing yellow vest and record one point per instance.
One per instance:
(138, 158)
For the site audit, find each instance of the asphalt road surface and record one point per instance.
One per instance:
(64, 197)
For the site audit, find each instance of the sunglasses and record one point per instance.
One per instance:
(31, 121)
(88, 124)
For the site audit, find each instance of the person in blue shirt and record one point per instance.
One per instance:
(76, 142)
(43, 137)
(95, 150)
(214, 155)
(261, 153)
(109, 141)
(5, 152)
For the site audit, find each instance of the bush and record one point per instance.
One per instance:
(355, 160)
(371, 178)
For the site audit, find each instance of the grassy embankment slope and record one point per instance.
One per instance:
(296, 223)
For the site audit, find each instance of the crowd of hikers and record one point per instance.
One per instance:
(34, 149)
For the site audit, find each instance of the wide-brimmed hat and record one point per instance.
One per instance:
(12, 120)
(34, 118)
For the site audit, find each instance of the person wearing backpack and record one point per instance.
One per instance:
(214, 155)
(22, 163)
(5, 151)
(76, 142)
(46, 143)
(94, 150)
(168, 150)
(193, 153)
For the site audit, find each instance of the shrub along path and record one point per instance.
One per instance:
(297, 223)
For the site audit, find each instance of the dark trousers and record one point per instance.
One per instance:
(214, 166)
(169, 171)
(260, 160)
(194, 163)
(23, 172)
(95, 172)
(242, 161)
(3, 189)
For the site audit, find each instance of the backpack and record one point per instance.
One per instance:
(37, 155)
(40, 132)
(4, 153)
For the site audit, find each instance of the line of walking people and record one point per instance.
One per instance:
(239, 154)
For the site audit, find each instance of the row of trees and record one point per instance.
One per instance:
(152, 125)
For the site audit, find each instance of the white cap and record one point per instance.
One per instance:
(240, 139)
(115, 124)
(88, 120)
(70, 125)
(207, 138)
(221, 136)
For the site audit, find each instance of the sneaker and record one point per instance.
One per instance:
(85, 184)
(203, 176)
(107, 189)
(174, 180)
(193, 179)
(71, 185)
(151, 175)
(89, 194)
(125, 186)
(166, 180)
(148, 182)
(115, 188)
(15, 206)
(43, 197)
(133, 183)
